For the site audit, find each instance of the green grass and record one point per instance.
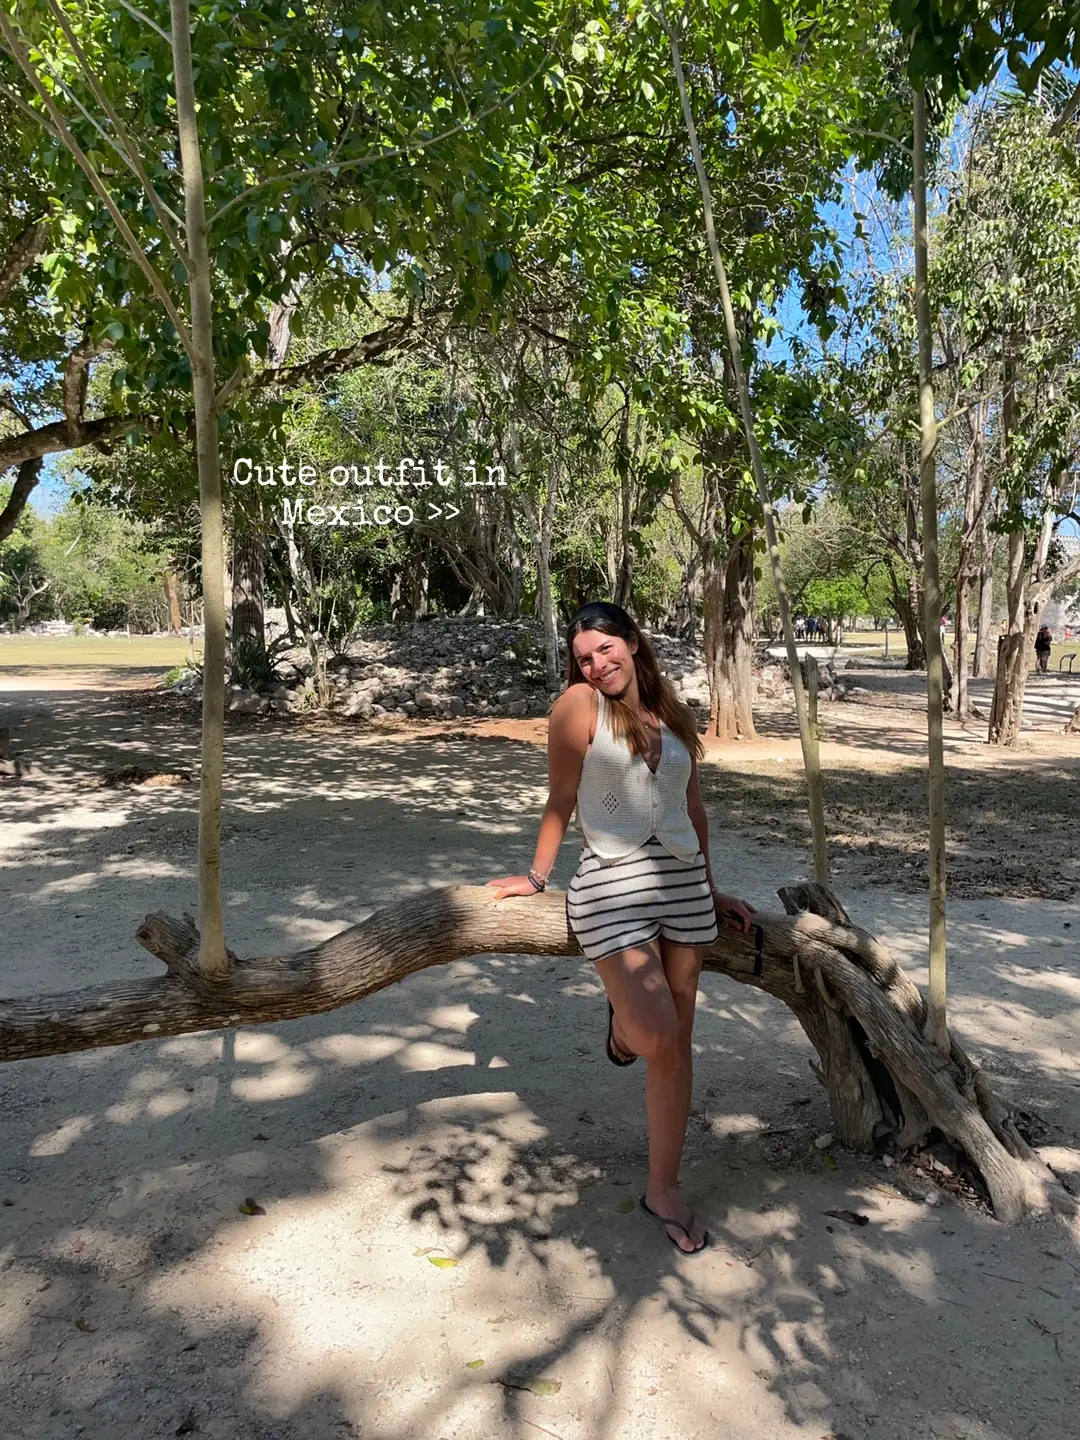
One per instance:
(77, 651)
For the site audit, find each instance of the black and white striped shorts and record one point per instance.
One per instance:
(628, 902)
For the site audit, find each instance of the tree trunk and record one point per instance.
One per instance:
(907, 603)
(517, 555)
(983, 665)
(623, 589)
(24, 601)
(418, 585)
(974, 509)
(171, 586)
(248, 567)
(290, 618)
(935, 679)
(1007, 706)
(960, 700)
(213, 959)
(542, 528)
(729, 616)
(684, 621)
(808, 740)
(860, 1011)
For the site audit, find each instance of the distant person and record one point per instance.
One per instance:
(800, 630)
(1044, 642)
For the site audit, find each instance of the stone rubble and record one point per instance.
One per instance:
(452, 666)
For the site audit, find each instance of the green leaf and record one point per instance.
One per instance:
(442, 1262)
(626, 1204)
(251, 1207)
(473, 1364)
(357, 217)
(771, 24)
(830, 1163)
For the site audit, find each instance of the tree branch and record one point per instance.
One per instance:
(58, 436)
(870, 996)
(1071, 108)
(336, 166)
(27, 478)
(26, 249)
(128, 151)
(366, 351)
(146, 20)
(17, 52)
(76, 379)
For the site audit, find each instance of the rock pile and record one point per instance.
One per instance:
(445, 667)
(832, 686)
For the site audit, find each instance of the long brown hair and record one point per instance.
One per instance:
(657, 692)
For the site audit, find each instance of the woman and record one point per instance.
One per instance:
(623, 752)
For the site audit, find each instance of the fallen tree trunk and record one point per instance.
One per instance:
(887, 1083)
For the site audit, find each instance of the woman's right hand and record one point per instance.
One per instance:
(513, 885)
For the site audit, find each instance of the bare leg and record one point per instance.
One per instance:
(653, 989)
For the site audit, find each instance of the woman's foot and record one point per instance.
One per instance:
(618, 1054)
(682, 1228)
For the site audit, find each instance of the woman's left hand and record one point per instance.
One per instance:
(733, 911)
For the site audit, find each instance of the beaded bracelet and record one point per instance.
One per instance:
(538, 882)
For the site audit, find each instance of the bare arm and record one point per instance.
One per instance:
(568, 740)
(695, 808)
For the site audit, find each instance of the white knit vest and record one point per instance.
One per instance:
(620, 802)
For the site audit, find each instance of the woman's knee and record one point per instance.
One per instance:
(660, 1038)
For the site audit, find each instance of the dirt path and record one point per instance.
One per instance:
(469, 1115)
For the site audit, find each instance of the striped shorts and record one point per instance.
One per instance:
(628, 902)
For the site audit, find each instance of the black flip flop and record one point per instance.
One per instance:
(686, 1229)
(612, 1055)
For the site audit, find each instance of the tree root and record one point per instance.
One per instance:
(887, 1083)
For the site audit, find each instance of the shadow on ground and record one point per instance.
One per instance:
(468, 1115)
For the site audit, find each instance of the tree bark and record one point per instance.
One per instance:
(685, 619)
(248, 565)
(861, 1012)
(171, 586)
(623, 589)
(542, 522)
(26, 478)
(971, 529)
(907, 603)
(935, 680)
(1007, 706)
(25, 249)
(983, 664)
(213, 960)
(729, 623)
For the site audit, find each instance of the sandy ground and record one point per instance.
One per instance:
(469, 1116)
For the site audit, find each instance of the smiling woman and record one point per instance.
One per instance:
(622, 754)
